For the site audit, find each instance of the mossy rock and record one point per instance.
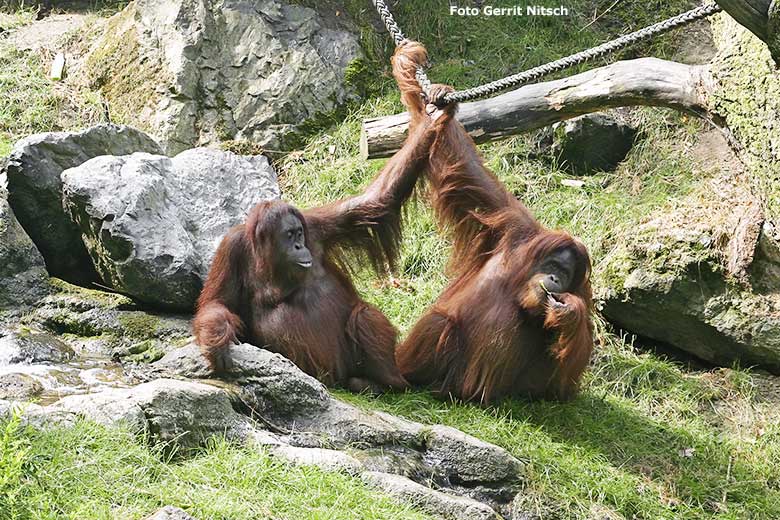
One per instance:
(748, 98)
(672, 286)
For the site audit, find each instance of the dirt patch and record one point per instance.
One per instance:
(44, 34)
(767, 388)
(712, 149)
(695, 45)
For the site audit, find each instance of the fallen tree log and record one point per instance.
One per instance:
(645, 81)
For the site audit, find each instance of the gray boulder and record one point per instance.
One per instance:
(35, 189)
(269, 382)
(593, 142)
(701, 279)
(151, 224)
(205, 72)
(699, 311)
(23, 277)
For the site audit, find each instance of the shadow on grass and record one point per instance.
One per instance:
(680, 467)
(705, 468)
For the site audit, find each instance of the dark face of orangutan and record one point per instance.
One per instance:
(554, 277)
(558, 271)
(290, 240)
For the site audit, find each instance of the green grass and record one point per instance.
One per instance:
(642, 441)
(646, 439)
(29, 101)
(90, 471)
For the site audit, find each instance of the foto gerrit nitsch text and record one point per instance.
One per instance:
(516, 10)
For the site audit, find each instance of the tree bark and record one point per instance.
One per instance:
(646, 81)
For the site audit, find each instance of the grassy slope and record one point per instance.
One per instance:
(91, 472)
(29, 101)
(622, 449)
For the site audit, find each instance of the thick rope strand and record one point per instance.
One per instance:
(387, 18)
(556, 66)
(584, 56)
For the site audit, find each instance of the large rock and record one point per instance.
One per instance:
(314, 428)
(748, 101)
(206, 71)
(701, 277)
(35, 189)
(699, 311)
(270, 383)
(151, 223)
(23, 277)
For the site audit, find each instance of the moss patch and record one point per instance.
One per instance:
(128, 78)
(749, 99)
(139, 325)
(103, 299)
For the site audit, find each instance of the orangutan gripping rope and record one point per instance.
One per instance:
(278, 280)
(515, 321)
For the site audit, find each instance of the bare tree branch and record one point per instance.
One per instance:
(646, 81)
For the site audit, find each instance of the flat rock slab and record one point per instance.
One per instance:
(430, 500)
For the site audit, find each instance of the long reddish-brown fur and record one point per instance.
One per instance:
(494, 332)
(317, 319)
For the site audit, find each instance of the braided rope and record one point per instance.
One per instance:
(387, 18)
(556, 66)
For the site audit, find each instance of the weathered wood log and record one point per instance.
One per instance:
(761, 17)
(646, 81)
